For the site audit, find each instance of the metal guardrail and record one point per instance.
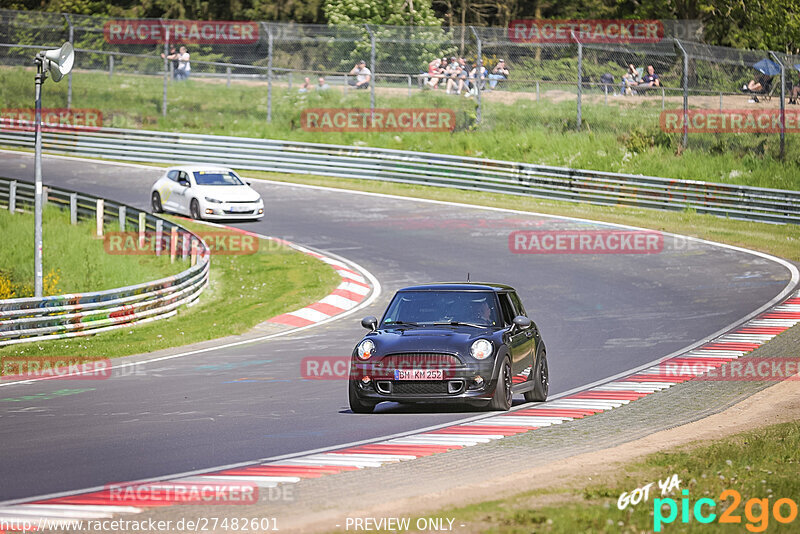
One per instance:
(61, 316)
(494, 176)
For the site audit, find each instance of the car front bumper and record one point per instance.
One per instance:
(232, 211)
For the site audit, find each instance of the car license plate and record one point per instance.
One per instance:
(418, 374)
(240, 209)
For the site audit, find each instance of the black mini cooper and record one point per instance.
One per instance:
(457, 342)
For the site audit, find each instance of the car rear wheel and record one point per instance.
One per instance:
(501, 400)
(541, 377)
(194, 209)
(155, 201)
(356, 404)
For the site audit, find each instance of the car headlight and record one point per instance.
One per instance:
(481, 349)
(365, 349)
(213, 200)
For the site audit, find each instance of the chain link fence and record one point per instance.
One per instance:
(558, 86)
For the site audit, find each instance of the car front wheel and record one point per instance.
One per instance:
(356, 404)
(194, 209)
(155, 200)
(501, 400)
(541, 377)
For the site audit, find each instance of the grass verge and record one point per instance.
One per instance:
(244, 290)
(623, 136)
(760, 464)
(73, 259)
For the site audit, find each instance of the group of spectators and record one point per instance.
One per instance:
(460, 78)
(634, 80)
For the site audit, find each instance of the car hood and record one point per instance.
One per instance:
(228, 193)
(425, 339)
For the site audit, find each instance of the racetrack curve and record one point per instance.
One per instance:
(599, 314)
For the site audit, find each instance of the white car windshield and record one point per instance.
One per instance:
(216, 178)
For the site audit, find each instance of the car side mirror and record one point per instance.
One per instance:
(521, 322)
(370, 323)
(185, 183)
(248, 183)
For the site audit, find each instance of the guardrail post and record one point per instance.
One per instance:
(290, 80)
(159, 235)
(45, 197)
(123, 213)
(73, 208)
(142, 228)
(537, 90)
(12, 196)
(228, 74)
(409, 86)
(100, 212)
(173, 243)
(110, 67)
(605, 98)
(194, 252)
(185, 240)
(346, 85)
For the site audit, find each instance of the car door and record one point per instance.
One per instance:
(519, 343)
(166, 190)
(182, 192)
(530, 333)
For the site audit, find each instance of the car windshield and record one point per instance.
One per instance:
(474, 308)
(217, 178)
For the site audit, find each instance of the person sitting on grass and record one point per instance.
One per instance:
(477, 78)
(451, 72)
(630, 79)
(499, 72)
(793, 96)
(362, 74)
(434, 73)
(650, 79)
(322, 85)
(306, 87)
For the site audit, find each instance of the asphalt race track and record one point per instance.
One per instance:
(600, 315)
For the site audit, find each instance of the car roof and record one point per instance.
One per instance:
(459, 286)
(198, 167)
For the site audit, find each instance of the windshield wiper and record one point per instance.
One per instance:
(407, 323)
(459, 323)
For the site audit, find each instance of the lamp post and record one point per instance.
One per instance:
(57, 62)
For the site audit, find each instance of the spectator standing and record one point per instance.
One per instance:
(322, 85)
(181, 63)
(362, 74)
(795, 94)
(499, 72)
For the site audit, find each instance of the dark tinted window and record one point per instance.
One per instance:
(507, 308)
(216, 178)
(520, 309)
(173, 175)
(429, 307)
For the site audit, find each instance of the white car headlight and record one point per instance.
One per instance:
(481, 349)
(213, 200)
(365, 349)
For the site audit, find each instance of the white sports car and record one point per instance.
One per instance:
(205, 192)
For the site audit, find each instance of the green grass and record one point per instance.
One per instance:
(73, 259)
(244, 290)
(761, 464)
(623, 136)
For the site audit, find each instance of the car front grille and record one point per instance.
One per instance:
(237, 212)
(422, 387)
(419, 360)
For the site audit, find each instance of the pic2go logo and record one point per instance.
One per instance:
(756, 511)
